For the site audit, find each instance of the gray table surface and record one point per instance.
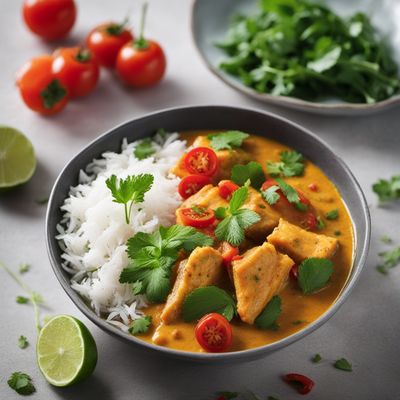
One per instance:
(365, 330)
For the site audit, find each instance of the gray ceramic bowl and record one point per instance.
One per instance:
(210, 21)
(215, 117)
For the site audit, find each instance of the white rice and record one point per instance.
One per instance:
(93, 231)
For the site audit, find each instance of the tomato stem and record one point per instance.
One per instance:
(141, 43)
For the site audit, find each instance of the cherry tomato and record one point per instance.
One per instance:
(302, 383)
(226, 188)
(106, 40)
(191, 184)
(214, 333)
(228, 252)
(198, 217)
(310, 221)
(294, 272)
(77, 69)
(50, 19)
(201, 161)
(39, 89)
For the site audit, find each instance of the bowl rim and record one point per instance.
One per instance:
(212, 357)
(287, 101)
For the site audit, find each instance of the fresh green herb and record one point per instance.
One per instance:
(320, 223)
(153, 255)
(291, 195)
(251, 171)
(270, 195)
(390, 259)
(53, 94)
(386, 239)
(137, 287)
(387, 189)
(21, 383)
(22, 299)
(129, 191)
(303, 49)
(228, 395)
(236, 219)
(140, 325)
(333, 214)
(227, 140)
(204, 300)
(42, 200)
(316, 358)
(291, 164)
(343, 364)
(267, 318)
(144, 149)
(23, 268)
(314, 273)
(337, 233)
(23, 342)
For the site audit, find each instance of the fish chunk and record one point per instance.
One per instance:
(202, 268)
(301, 244)
(258, 276)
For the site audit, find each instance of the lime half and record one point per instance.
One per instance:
(66, 351)
(17, 158)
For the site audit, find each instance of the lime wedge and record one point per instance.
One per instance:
(66, 351)
(17, 158)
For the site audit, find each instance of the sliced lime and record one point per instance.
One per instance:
(66, 351)
(17, 158)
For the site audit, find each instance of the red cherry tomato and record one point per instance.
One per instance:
(39, 89)
(191, 184)
(226, 188)
(228, 252)
(294, 272)
(50, 19)
(198, 217)
(201, 161)
(214, 333)
(302, 383)
(106, 40)
(77, 69)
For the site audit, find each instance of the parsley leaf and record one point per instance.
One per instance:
(316, 358)
(314, 273)
(21, 383)
(236, 220)
(333, 214)
(22, 299)
(270, 195)
(343, 364)
(291, 164)
(251, 171)
(140, 325)
(267, 318)
(23, 268)
(227, 140)
(204, 300)
(144, 149)
(387, 189)
(23, 342)
(390, 259)
(130, 190)
(152, 256)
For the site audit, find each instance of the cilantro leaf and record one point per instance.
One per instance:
(204, 300)
(289, 191)
(316, 358)
(140, 325)
(21, 383)
(390, 259)
(333, 214)
(387, 189)
(23, 268)
(386, 239)
(343, 364)
(23, 342)
(270, 195)
(130, 190)
(144, 149)
(291, 164)
(267, 318)
(238, 198)
(227, 140)
(22, 299)
(251, 171)
(314, 273)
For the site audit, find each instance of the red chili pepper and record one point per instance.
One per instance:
(313, 187)
(302, 383)
(294, 272)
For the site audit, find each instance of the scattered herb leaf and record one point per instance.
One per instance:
(386, 239)
(23, 268)
(23, 342)
(387, 189)
(314, 273)
(144, 149)
(21, 383)
(291, 195)
(140, 325)
(333, 214)
(267, 318)
(390, 259)
(343, 364)
(270, 195)
(298, 322)
(22, 299)
(291, 164)
(320, 223)
(227, 140)
(316, 358)
(251, 171)
(337, 233)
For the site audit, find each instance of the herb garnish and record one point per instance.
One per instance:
(387, 189)
(227, 140)
(53, 94)
(390, 259)
(291, 194)
(320, 223)
(153, 254)
(129, 191)
(316, 358)
(386, 239)
(23, 342)
(144, 149)
(267, 318)
(235, 219)
(22, 299)
(333, 214)
(252, 172)
(23, 268)
(271, 195)
(204, 300)
(291, 164)
(21, 383)
(343, 364)
(140, 325)
(314, 273)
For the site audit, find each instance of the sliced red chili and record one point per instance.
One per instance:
(191, 184)
(294, 272)
(201, 161)
(228, 253)
(302, 383)
(310, 221)
(198, 217)
(226, 188)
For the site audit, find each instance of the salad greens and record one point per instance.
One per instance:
(303, 49)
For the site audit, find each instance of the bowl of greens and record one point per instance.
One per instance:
(340, 57)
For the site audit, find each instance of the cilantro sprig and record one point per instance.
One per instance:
(140, 325)
(390, 259)
(144, 149)
(21, 383)
(152, 256)
(235, 219)
(227, 140)
(23, 342)
(314, 273)
(387, 189)
(129, 191)
(271, 195)
(291, 164)
(251, 172)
